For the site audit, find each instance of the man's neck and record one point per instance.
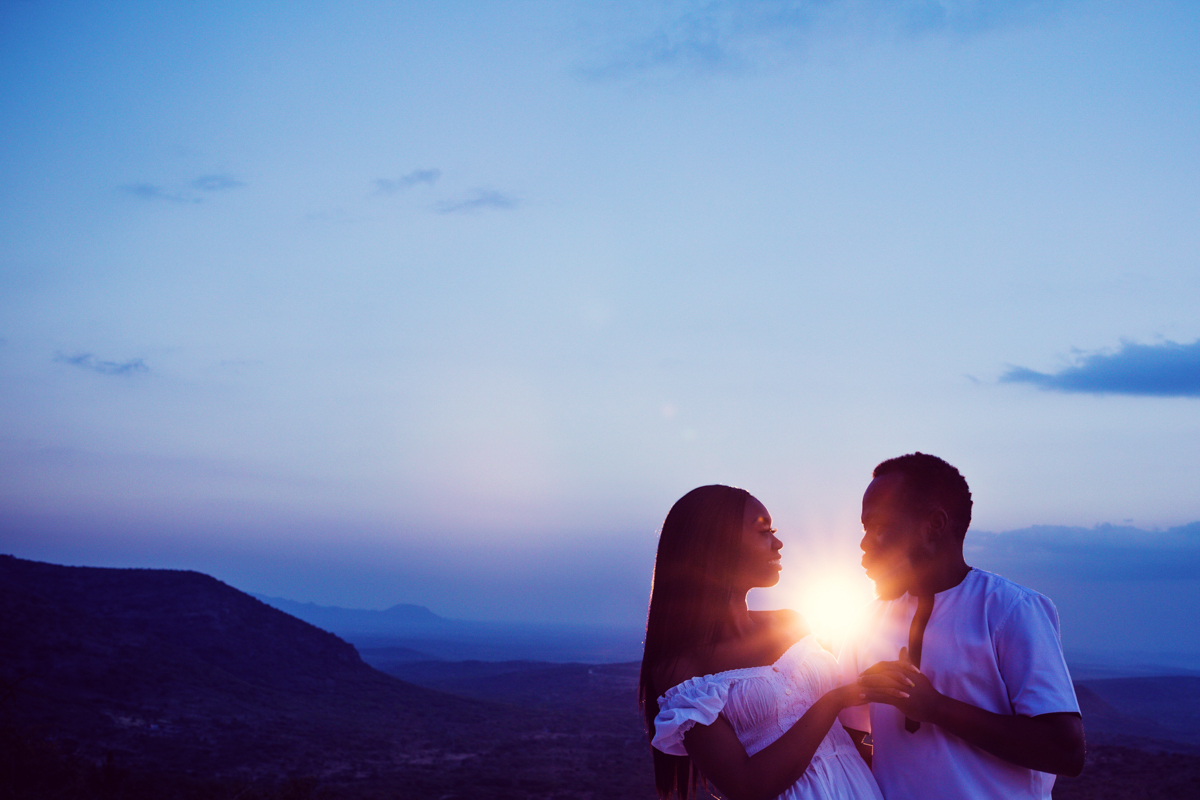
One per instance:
(940, 575)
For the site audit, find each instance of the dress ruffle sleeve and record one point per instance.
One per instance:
(697, 700)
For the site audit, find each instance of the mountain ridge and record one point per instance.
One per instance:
(411, 613)
(174, 673)
(380, 635)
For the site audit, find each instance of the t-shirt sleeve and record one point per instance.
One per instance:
(1030, 656)
(695, 701)
(856, 717)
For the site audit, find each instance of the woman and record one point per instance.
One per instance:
(744, 700)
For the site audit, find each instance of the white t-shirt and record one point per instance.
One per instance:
(989, 642)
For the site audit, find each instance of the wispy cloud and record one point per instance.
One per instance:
(90, 362)
(722, 35)
(481, 200)
(393, 185)
(217, 183)
(1159, 370)
(149, 191)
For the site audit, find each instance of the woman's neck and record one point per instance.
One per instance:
(739, 622)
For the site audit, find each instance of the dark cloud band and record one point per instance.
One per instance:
(1106, 552)
(1159, 370)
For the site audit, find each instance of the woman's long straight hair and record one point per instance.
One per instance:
(698, 550)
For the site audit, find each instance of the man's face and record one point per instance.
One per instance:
(892, 544)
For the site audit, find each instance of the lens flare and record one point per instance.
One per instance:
(833, 603)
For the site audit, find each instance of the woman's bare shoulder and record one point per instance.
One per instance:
(778, 630)
(787, 625)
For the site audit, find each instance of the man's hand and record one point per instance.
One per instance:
(1048, 743)
(901, 684)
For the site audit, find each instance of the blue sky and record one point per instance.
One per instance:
(448, 302)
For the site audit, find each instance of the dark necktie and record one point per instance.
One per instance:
(916, 638)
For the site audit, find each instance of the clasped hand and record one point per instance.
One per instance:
(901, 684)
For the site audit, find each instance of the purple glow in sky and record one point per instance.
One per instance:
(448, 302)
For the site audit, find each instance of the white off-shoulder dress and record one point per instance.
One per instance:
(761, 703)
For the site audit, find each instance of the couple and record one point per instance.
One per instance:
(957, 675)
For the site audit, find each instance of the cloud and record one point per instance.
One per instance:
(90, 362)
(219, 182)
(483, 199)
(216, 183)
(1105, 552)
(1159, 370)
(723, 35)
(391, 186)
(148, 191)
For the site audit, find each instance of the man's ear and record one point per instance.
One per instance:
(936, 528)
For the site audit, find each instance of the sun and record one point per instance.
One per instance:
(833, 603)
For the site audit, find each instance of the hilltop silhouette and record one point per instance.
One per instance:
(174, 676)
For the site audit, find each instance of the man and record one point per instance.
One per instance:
(969, 694)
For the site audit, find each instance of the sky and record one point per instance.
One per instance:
(446, 303)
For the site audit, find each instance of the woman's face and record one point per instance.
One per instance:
(760, 547)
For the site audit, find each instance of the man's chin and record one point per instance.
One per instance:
(886, 591)
(887, 586)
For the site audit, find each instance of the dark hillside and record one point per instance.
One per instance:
(1163, 708)
(179, 670)
(177, 674)
(61, 623)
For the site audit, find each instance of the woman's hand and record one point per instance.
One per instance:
(1047, 743)
(850, 694)
(901, 684)
(720, 756)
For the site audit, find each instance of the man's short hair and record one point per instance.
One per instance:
(929, 482)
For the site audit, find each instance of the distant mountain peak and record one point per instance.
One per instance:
(335, 617)
(412, 611)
